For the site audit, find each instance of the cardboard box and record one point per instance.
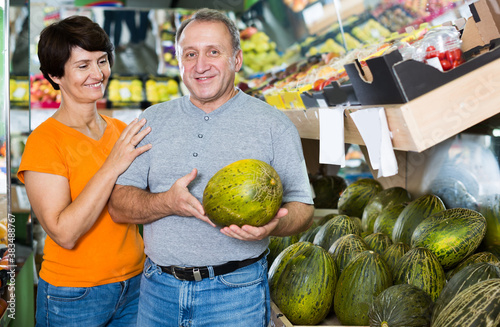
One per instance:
(331, 96)
(389, 80)
(483, 26)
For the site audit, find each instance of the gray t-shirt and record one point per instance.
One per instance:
(184, 137)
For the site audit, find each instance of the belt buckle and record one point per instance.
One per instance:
(196, 273)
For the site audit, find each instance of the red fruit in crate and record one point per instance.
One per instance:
(319, 84)
(445, 64)
(431, 52)
(454, 55)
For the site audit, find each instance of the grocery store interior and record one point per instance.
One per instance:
(402, 92)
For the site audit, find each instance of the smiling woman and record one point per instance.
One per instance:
(74, 158)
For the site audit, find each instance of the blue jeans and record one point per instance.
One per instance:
(237, 299)
(112, 304)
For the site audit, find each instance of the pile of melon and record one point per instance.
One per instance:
(390, 260)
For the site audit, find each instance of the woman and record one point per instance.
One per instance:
(90, 275)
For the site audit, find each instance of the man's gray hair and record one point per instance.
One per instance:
(211, 15)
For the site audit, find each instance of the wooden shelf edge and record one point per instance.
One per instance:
(427, 120)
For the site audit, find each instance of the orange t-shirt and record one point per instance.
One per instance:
(108, 252)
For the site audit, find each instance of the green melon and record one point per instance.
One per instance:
(245, 192)
(393, 253)
(421, 268)
(279, 263)
(478, 306)
(473, 258)
(490, 208)
(451, 234)
(305, 288)
(308, 235)
(378, 242)
(401, 305)
(413, 214)
(333, 229)
(380, 201)
(346, 248)
(463, 279)
(365, 277)
(327, 217)
(355, 197)
(387, 218)
(495, 249)
(357, 221)
(277, 244)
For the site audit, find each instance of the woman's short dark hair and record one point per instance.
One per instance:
(211, 15)
(58, 40)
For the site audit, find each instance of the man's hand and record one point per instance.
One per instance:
(182, 203)
(251, 233)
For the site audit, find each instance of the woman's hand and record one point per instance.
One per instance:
(125, 151)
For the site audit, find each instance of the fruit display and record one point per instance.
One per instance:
(378, 242)
(393, 253)
(356, 196)
(420, 267)
(168, 56)
(451, 234)
(305, 285)
(381, 200)
(19, 88)
(413, 214)
(345, 248)
(43, 94)
(259, 52)
(445, 243)
(490, 209)
(123, 91)
(334, 229)
(365, 277)
(161, 89)
(384, 223)
(245, 192)
(470, 275)
(277, 245)
(401, 305)
(280, 262)
(478, 257)
(478, 305)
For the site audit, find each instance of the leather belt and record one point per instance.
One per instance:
(198, 273)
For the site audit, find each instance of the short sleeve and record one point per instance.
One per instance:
(42, 154)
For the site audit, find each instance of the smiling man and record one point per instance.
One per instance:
(197, 274)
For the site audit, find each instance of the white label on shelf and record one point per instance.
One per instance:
(19, 120)
(372, 125)
(322, 103)
(331, 136)
(313, 13)
(22, 198)
(38, 116)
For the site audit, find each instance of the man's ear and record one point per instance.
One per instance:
(238, 60)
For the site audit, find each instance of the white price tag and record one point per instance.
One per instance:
(372, 125)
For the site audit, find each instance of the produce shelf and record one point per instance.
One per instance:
(427, 120)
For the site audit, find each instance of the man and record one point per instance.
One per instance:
(197, 274)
